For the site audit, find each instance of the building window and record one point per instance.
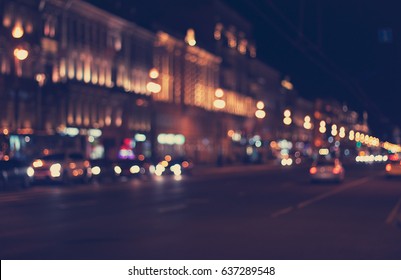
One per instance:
(87, 69)
(63, 69)
(71, 68)
(217, 31)
(5, 65)
(95, 69)
(49, 29)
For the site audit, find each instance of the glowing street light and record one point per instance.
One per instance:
(287, 117)
(287, 84)
(17, 31)
(219, 104)
(153, 73)
(322, 128)
(20, 53)
(190, 37)
(260, 114)
(219, 93)
(153, 87)
(307, 123)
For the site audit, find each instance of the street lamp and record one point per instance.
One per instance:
(287, 84)
(307, 122)
(287, 117)
(219, 104)
(153, 87)
(20, 53)
(260, 113)
(17, 31)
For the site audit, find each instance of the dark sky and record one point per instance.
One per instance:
(339, 53)
(331, 49)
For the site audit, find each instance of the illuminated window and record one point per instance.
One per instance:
(102, 73)
(242, 46)
(87, 70)
(7, 20)
(232, 39)
(5, 66)
(55, 73)
(49, 28)
(109, 82)
(79, 74)
(217, 31)
(95, 77)
(71, 69)
(63, 69)
(190, 37)
(252, 51)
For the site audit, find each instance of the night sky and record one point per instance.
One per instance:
(346, 49)
(342, 53)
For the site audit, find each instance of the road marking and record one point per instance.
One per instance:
(333, 192)
(173, 208)
(320, 197)
(393, 214)
(282, 212)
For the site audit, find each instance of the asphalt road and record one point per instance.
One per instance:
(261, 212)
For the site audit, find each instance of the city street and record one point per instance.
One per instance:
(250, 212)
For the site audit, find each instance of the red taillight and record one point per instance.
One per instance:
(388, 167)
(313, 170)
(336, 170)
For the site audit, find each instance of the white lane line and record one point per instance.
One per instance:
(320, 197)
(333, 192)
(172, 208)
(282, 212)
(393, 214)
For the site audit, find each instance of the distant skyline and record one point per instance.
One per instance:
(338, 53)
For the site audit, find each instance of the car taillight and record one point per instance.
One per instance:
(313, 170)
(388, 167)
(336, 170)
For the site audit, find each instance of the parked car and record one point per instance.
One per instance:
(393, 167)
(15, 174)
(327, 170)
(62, 167)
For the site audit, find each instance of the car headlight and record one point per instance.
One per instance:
(117, 170)
(37, 163)
(134, 169)
(30, 171)
(55, 170)
(96, 170)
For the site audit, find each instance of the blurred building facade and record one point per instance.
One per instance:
(87, 73)
(99, 83)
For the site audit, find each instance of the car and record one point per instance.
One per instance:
(102, 169)
(15, 174)
(393, 167)
(62, 167)
(172, 166)
(127, 168)
(327, 169)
